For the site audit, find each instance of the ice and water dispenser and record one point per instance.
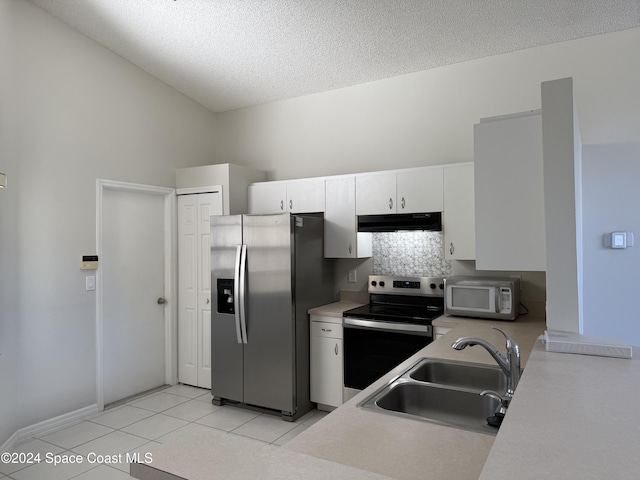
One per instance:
(225, 295)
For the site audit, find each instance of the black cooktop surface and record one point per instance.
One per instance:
(394, 308)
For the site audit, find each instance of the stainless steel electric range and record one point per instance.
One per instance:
(393, 326)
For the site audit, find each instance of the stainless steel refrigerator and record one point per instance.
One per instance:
(266, 272)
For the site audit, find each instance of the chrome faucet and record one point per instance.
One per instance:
(509, 365)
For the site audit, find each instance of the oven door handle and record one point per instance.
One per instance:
(392, 327)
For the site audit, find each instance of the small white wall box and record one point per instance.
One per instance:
(564, 342)
(89, 262)
(618, 239)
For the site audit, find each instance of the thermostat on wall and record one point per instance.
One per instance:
(89, 262)
(618, 239)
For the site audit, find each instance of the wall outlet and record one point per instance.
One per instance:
(352, 276)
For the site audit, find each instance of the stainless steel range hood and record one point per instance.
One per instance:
(400, 221)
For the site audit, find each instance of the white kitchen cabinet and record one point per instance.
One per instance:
(232, 180)
(376, 193)
(294, 196)
(194, 286)
(413, 190)
(342, 239)
(268, 197)
(459, 212)
(419, 190)
(326, 362)
(306, 195)
(509, 193)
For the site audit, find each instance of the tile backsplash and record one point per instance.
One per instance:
(411, 254)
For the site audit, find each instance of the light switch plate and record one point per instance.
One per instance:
(352, 276)
(618, 240)
(89, 283)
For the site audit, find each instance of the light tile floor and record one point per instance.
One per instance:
(97, 447)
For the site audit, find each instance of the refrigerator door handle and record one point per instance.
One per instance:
(236, 292)
(243, 286)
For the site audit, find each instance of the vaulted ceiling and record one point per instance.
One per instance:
(228, 54)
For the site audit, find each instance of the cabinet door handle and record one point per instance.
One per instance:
(281, 204)
(350, 247)
(451, 249)
(327, 330)
(336, 349)
(402, 203)
(390, 203)
(290, 204)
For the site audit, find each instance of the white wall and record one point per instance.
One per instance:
(427, 117)
(81, 113)
(611, 200)
(9, 325)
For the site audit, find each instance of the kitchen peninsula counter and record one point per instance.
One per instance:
(411, 449)
(573, 417)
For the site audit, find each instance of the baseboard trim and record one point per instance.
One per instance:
(47, 426)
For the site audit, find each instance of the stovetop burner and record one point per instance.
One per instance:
(402, 299)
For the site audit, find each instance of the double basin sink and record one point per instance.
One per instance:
(445, 392)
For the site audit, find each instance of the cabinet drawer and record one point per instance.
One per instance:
(324, 329)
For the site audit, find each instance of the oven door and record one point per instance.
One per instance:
(373, 348)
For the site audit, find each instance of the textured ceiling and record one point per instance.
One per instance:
(227, 54)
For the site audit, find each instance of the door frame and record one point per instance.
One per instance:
(170, 281)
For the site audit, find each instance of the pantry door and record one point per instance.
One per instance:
(134, 330)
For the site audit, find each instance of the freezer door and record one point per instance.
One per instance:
(269, 352)
(226, 350)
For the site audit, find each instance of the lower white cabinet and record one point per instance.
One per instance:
(326, 361)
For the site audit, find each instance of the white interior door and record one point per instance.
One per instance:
(194, 287)
(133, 278)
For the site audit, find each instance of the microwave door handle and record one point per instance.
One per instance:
(236, 293)
(243, 292)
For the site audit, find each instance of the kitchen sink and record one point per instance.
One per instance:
(445, 392)
(473, 376)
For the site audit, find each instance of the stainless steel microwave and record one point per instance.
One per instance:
(480, 297)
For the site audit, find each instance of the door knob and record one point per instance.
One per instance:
(161, 301)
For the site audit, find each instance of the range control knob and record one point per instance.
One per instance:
(432, 286)
(441, 286)
(382, 284)
(373, 283)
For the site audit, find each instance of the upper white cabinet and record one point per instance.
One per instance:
(375, 193)
(306, 195)
(458, 217)
(294, 196)
(342, 239)
(407, 191)
(268, 197)
(232, 180)
(419, 190)
(509, 193)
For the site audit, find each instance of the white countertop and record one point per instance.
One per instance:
(572, 417)
(334, 309)
(208, 454)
